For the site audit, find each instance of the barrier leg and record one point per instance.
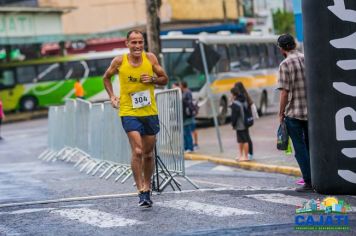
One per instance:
(122, 173)
(100, 163)
(127, 176)
(112, 172)
(191, 182)
(99, 167)
(48, 155)
(44, 153)
(71, 155)
(106, 170)
(85, 165)
(68, 152)
(80, 161)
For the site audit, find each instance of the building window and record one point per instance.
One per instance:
(27, 3)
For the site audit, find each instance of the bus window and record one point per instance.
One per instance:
(263, 56)
(280, 57)
(26, 74)
(178, 43)
(254, 56)
(74, 70)
(235, 63)
(92, 66)
(272, 57)
(178, 69)
(7, 79)
(244, 58)
(50, 72)
(102, 65)
(223, 64)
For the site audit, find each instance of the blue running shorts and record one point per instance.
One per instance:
(145, 125)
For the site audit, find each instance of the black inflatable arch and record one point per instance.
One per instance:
(330, 57)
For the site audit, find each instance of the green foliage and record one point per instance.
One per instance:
(283, 22)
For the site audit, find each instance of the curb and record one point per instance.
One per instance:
(16, 117)
(251, 165)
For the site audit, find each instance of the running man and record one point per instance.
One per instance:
(138, 73)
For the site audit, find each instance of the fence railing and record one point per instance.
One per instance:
(92, 136)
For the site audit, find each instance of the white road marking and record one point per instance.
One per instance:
(67, 200)
(26, 211)
(78, 206)
(278, 198)
(96, 218)
(223, 168)
(205, 209)
(224, 187)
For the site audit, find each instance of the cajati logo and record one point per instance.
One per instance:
(327, 214)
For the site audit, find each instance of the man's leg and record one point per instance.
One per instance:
(188, 140)
(194, 134)
(148, 143)
(305, 132)
(136, 160)
(296, 132)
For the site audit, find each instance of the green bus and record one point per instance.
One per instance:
(27, 85)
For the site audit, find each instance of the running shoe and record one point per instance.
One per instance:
(141, 197)
(147, 202)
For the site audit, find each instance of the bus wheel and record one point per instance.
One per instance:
(263, 105)
(222, 116)
(28, 103)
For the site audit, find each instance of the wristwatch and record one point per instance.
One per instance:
(153, 79)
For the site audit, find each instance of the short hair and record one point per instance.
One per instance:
(184, 84)
(133, 31)
(286, 42)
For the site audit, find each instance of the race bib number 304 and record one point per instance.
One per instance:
(141, 99)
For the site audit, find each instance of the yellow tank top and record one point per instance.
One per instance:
(136, 98)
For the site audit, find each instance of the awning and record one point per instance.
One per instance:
(58, 38)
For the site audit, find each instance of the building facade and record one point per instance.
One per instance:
(93, 16)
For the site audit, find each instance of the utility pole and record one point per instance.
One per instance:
(153, 26)
(252, 8)
(238, 6)
(224, 11)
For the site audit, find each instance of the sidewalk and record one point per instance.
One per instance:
(266, 157)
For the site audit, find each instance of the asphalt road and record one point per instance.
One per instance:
(54, 198)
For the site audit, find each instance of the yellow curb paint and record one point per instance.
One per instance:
(251, 165)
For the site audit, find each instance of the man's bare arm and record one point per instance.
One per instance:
(112, 70)
(283, 100)
(162, 78)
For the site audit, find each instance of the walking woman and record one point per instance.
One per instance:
(241, 89)
(238, 108)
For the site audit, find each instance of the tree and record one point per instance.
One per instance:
(153, 26)
(283, 22)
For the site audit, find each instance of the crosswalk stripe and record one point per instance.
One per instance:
(278, 198)
(282, 199)
(96, 218)
(205, 209)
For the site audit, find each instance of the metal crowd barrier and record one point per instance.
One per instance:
(170, 144)
(92, 136)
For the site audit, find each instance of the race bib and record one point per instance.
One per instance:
(141, 99)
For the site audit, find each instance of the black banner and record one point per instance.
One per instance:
(330, 59)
